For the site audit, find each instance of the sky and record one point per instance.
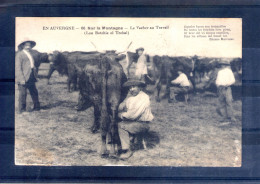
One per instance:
(169, 41)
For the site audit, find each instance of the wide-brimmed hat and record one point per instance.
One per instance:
(134, 82)
(224, 62)
(141, 48)
(25, 40)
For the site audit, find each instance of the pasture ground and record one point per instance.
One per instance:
(190, 135)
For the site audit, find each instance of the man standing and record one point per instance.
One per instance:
(136, 115)
(26, 75)
(181, 85)
(141, 65)
(225, 78)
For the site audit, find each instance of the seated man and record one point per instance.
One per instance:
(135, 112)
(181, 85)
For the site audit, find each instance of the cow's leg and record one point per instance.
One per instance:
(68, 84)
(158, 86)
(103, 151)
(96, 123)
(74, 83)
(186, 97)
(115, 139)
(104, 122)
(51, 70)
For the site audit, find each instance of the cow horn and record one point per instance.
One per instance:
(94, 45)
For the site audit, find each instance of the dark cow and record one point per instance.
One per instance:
(100, 80)
(164, 69)
(206, 68)
(100, 86)
(236, 66)
(205, 73)
(63, 62)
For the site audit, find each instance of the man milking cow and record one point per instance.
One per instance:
(26, 75)
(180, 85)
(135, 113)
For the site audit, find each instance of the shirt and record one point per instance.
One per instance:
(225, 77)
(138, 108)
(182, 79)
(30, 58)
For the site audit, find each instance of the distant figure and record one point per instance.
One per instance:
(135, 112)
(181, 85)
(225, 78)
(141, 65)
(26, 74)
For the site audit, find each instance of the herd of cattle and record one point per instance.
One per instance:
(99, 78)
(161, 69)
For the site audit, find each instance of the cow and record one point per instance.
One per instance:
(100, 86)
(63, 62)
(100, 81)
(206, 67)
(206, 70)
(165, 68)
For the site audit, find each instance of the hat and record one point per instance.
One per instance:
(20, 46)
(141, 48)
(134, 82)
(224, 62)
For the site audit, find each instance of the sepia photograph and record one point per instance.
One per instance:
(96, 91)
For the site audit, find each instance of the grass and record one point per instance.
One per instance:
(190, 135)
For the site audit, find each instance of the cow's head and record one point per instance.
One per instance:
(112, 55)
(58, 62)
(236, 65)
(43, 57)
(120, 57)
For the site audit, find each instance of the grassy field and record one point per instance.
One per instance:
(190, 135)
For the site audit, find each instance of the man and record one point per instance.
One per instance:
(135, 112)
(225, 78)
(181, 85)
(26, 75)
(141, 65)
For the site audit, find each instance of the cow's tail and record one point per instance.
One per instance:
(104, 66)
(104, 117)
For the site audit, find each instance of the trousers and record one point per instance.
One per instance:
(131, 133)
(225, 98)
(30, 85)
